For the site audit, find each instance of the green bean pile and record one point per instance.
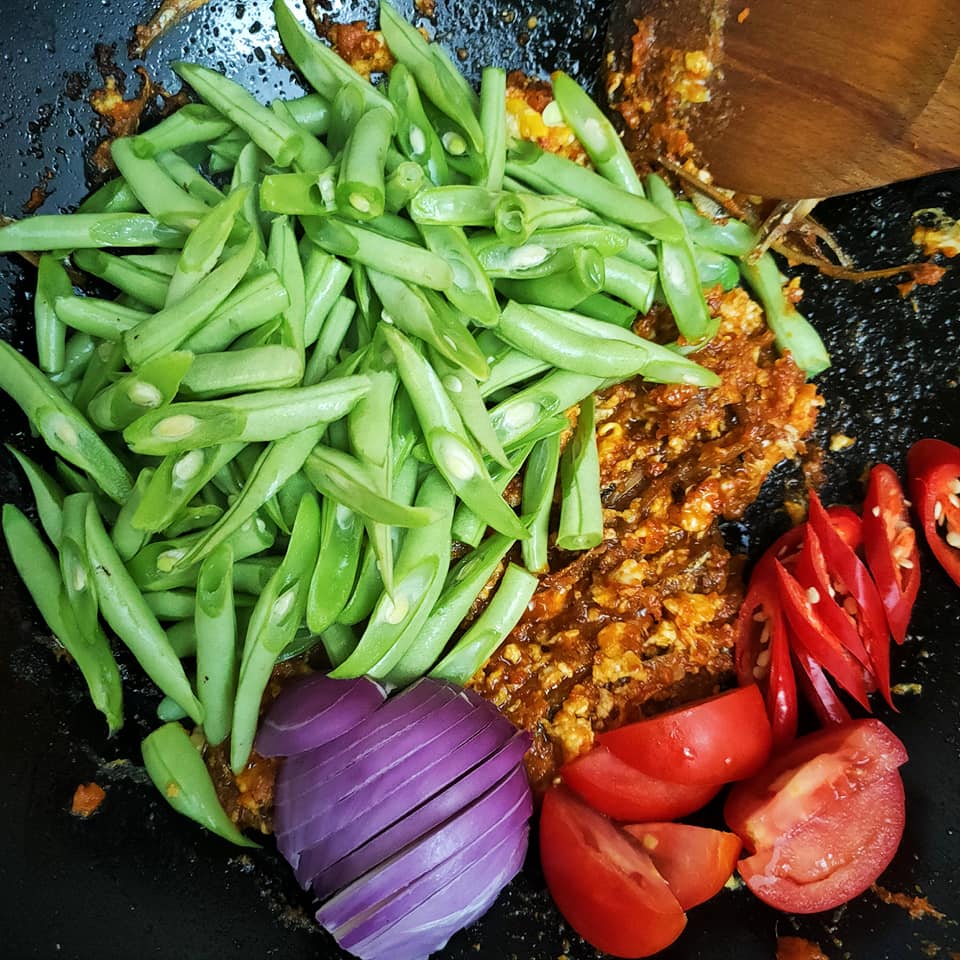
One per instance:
(342, 324)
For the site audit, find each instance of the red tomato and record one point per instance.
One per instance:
(696, 862)
(625, 793)
(890, 544)
(762, 652)
(719, 740)
(606, 887)
(823, 819)
(933, 478)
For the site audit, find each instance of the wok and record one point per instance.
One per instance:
(138, 881)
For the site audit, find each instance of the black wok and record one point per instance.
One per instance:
(138, 881)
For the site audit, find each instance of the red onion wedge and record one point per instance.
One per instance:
(363, 783)
(333, 863)
(410, 823)
(508, 796)
(314, 710)
(428, 928)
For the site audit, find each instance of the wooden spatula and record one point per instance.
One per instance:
(815, 98)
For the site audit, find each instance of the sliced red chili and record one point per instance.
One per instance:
(811, 634)
(762, 652)
(890, 545)
(856, 592)
(933, 479)
(818, 690)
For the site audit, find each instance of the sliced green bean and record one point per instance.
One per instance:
(714, 268)
(253, 302)
(172, 604)
(75, 563)
(186, 175)
(456, 205)
(581, 511)
(464, 584)
(791, 329)
(325, 278)
(40, 574)
(79, 349)
(679, 278)
(177, 770)
(194, 517)
(124, 609)
(565, 289)
(323, 68)
(177, 479)
(366, 590)
(284, 256)
(631, 283)
(551, 173)
(471, 290)
(268, 131)
(273, 623)
(250, 417)
(536, 503)
(236, 371)
(490, 629)
(601, 307)
(294, 193)
(396, 257)
(402, 185)
(52, 283)
(415, 312)
(450, 447)
(518, 215)
(63, 428)
(329, 341)
(159, 193)
(493, 123)
(415, 133)
(216, 625)
(339, 641)
(47, 495)
(151, 385)
(105, 319)
(729, 236)
(115, 196)
(311, 111)
(595, 132)
(167, 329)
(127, 538)
(71, 231)
(143, 284)
(341, 534)
(192, 123)
(360, 186)
(104, 365)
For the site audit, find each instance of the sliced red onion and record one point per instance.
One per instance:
(428, 928)
(313, 711)
(372, 737)
(357, 787)
(428, 852)
(391, 719)
(399, 789)
(418, 814)
(336, 863)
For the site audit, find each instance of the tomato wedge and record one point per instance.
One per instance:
(719, 740)
(933, 478)
(823, 819)
(626, 793)
(604, 884)
(695, 861)
(890, 545)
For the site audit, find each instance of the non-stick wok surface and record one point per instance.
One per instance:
(138, 881)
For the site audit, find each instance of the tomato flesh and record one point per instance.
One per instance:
(695, 861)
(626, 793)
(890, 545)
(714, 741)
(823, 819)
(603, 883)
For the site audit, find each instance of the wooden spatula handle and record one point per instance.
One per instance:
(829, 96)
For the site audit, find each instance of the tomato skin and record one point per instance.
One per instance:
(823, 819)
(623, 792)
(603, 882)
(933, 469)
(713, 741)
(890, 545)
(695, 861)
